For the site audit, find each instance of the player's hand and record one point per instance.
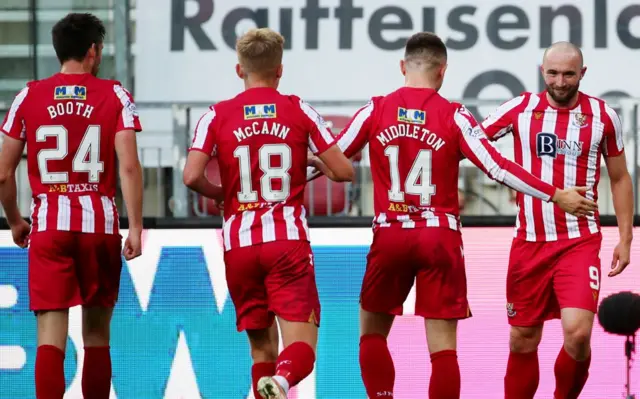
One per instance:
(572, 200)
(133, 245)
(219, 205)
(20, 233)
(621, 258)
(311, 159)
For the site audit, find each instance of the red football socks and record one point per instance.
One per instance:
(523, 376)
(376, 366)
(445, 375)
(295, 363)
(259, 370)
(49, 372)
(571, 375)
(96, 372)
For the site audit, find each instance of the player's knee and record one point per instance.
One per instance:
(4, 176)
(441, 335)
(96, 336)
(525, 339)
(577, 325)
(375, 323)
(265, 352)
(264, 344)
(294, 331)
(53, 328)
(578, 335)
(96, 331)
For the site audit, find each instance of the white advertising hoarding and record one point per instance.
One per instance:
(350, 49)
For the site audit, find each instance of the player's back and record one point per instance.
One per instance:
(69, 126)
(262, 140)
(415, 152)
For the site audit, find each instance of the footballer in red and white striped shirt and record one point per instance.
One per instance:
(69, 122)
(561, 146)
(74, 126)
(554, 266)
(412, 133)
(261, 138)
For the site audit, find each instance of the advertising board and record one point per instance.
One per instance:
(350, 49)
(174, 330)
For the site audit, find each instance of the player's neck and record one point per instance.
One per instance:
(420, 82)
(255, 83)
(569, 105)
(74, 67)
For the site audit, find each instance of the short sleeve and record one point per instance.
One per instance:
(613, 143)
(204, 138)
(320, 137)
(128, 114)
(355, 135)
(500, 122)
(14, 124)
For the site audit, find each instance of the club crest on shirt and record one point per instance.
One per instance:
(580, 120)
(538, 115)
(416, 116)
(260, 111)
(70, 93)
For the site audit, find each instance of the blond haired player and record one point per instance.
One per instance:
(261, 138)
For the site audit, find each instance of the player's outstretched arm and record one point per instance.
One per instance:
(194, 178)
(334, 165)
(131, 180)
(500, 123)
(622, 195)
(9, 159)
(349, 142)
(475, 146)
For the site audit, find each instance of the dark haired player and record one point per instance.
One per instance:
(75, 125)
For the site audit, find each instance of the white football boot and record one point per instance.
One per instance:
(269, 388)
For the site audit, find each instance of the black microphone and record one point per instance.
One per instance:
(620, 313)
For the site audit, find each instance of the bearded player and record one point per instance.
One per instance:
(554, 266)
(416, 140)
(78, 130)
(261, 138)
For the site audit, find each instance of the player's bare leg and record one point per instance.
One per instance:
(445, 371)
(523, 371)
(96, 372)
(574, 359)
(296, 360)
(52, 342)
(376, 364)
(264, 352)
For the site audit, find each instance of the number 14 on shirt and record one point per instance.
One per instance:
(418, 180)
